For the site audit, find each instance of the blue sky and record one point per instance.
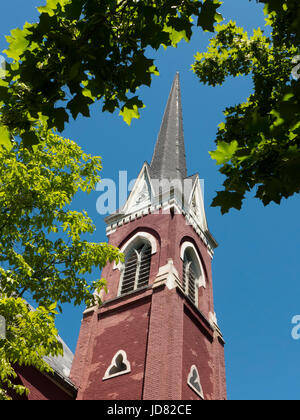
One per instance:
(256, 268)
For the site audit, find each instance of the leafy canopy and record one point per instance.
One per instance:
(82, 51)
(43, 254)
(258, 146)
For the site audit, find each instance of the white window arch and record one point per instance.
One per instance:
(193, 274)
(135, 240)
(120, 365)
(135, 272)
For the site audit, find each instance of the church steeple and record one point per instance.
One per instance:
(168, 160)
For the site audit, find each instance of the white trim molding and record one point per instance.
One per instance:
(125, 361)
(201, 281)
(168, 275)
(138, 237)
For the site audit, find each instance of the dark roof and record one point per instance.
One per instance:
(61, 364)
(168, 160)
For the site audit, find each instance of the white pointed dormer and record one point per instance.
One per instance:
(142, 194)
(196, 205)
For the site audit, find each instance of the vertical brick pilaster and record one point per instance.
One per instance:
(220, 392)
(163, 373)
(80, 366)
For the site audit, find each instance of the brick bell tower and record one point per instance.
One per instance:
(156, 335)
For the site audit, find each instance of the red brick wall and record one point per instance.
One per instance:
(197, 351)
(124, 328)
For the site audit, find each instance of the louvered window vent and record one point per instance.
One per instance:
(189, 279)
(137, 269)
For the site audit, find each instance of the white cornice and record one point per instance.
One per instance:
(205, 237)
(165, 204)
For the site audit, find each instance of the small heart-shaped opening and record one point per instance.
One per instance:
(194, 381)
(119, 366)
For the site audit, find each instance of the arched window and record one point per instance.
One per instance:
(193, 276)
(136, 271)
(189, 278)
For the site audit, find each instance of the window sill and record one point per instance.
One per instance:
(116, 375)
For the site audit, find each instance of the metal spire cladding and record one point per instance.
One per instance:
(168, 160)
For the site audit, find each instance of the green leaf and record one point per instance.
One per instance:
(30, 138)
(228, 200)
(80, 105)
(52, 5)
(129, 113)
(178, 30)
(209, 15)
(18, 42)
(5, 138)
(58, 118)
(224, 152)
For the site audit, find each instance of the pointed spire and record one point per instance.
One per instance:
(168, 160)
